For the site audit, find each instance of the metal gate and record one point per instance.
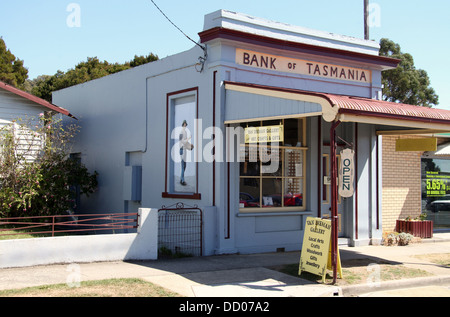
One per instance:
(180, 231)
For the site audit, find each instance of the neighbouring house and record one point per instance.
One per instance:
(249, 125)
(16, 104)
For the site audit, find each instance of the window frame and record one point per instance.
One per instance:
(169, 191)
(283, 177)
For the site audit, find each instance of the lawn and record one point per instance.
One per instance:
(359, 271)
(127, 287)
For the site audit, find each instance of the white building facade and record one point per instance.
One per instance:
(270, 94)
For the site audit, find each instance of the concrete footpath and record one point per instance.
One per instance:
(249, 275)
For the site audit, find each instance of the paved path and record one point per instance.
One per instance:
(240, 275)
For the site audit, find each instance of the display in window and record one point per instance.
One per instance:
(272, 176)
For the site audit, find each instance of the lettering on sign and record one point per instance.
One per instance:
(316, 243)
(315, 257)
(437, 184)
(303, 67)
(347, 173)
(266, 134)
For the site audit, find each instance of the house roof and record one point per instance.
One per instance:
(35, 99)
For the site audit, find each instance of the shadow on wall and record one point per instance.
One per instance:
(399, 203)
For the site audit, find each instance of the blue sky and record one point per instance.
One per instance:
(37, 32)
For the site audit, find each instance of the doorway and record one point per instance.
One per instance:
(326, 191)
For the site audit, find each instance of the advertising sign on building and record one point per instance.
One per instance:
(424, 144)
(267, 134)
(347, 173)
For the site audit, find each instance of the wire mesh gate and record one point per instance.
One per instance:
(180, 231)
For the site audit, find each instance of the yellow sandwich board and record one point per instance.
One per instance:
(316, 249)
(338, 262)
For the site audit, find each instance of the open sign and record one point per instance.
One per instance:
(346, 173)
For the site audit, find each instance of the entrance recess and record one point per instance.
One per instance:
(326, 191)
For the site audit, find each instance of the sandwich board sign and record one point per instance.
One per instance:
(316, 249)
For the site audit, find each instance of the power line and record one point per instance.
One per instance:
(203, 48)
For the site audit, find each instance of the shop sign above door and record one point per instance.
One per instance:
(303, 67)
(425, 144)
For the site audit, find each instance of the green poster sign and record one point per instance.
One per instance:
(437, 184)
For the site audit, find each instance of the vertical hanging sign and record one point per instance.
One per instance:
(347, 173)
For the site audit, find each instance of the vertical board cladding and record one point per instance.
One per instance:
(401, 183)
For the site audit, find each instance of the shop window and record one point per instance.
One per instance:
(272, 166)
(436, 191)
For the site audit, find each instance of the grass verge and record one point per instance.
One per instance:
(359, 271)
(126, 287)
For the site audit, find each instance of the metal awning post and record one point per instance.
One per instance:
(334, 198)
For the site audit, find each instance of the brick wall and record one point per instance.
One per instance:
(401, 183)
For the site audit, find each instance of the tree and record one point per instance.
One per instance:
(12, 70)
(92, 68)
(141, 60)
(405, 84)
(37, 176)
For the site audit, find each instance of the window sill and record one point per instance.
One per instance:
(273, 213)
(196, 196)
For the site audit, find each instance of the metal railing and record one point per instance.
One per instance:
(180, 231)
(68, 224)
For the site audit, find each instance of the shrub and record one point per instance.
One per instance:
(390, 239)
(404, 238)
(37, 176)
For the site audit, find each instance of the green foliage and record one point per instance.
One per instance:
(405, 84)
(141, 60)
(37, 178)
(12, 70)
(92, 68)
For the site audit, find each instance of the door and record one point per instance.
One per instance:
(326, 191)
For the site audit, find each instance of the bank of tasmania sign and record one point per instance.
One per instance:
(302, 67)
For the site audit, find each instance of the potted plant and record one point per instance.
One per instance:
(418, 227)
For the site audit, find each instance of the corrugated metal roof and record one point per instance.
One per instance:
(357, 108)
(35, 99)
(371, 106)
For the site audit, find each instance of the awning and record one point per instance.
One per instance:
(442, 150)
(35, 99)
(355, 109)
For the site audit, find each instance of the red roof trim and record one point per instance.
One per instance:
(35, 99)
(248, 38)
